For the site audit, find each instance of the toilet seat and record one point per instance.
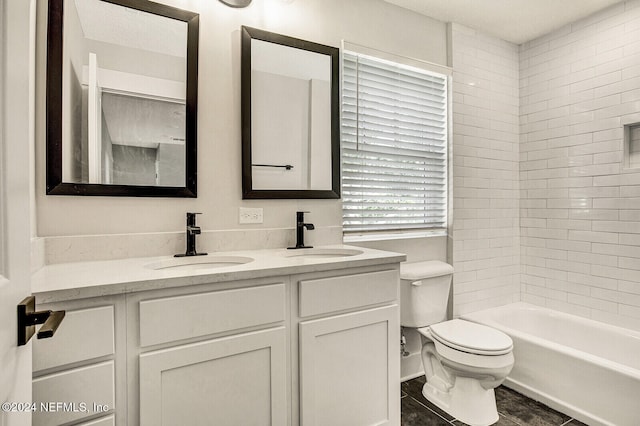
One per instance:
(473, 354)
(471, 338)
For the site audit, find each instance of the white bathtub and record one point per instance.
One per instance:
(584, 368)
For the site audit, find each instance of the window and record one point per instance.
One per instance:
(394, 146)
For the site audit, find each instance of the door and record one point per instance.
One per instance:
(234, 380)
(95, 122)
(17, 59)
(350, 369)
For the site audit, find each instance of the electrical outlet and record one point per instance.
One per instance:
(248, 215)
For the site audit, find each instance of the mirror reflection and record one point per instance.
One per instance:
(127, 104)
(290, 143)
(124, 95)
(291, 117)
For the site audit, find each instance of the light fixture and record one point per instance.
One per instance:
(237, 3)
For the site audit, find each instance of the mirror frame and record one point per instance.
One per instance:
(248, 192)
(54, 119)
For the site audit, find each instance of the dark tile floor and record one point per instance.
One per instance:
(513, 408)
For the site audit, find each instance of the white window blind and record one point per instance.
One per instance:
(394, 146)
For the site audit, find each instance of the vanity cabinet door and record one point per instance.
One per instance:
(235, 380)
(350, 369)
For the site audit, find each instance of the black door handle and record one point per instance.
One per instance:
(28, 317)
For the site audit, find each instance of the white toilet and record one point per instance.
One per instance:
(463, 361)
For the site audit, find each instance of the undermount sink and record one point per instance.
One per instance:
(323, 252)
(199, 262)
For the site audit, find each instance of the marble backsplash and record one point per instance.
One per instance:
(79, 248)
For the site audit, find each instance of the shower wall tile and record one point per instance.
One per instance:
(486, 183)
(579, 205)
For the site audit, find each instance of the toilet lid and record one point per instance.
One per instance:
(416, 271)
(470, 337)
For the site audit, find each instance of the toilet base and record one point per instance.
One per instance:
(467, 401)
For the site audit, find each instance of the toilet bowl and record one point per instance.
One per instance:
(463, 361)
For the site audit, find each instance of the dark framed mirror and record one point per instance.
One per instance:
(122, 96)
(290, 117)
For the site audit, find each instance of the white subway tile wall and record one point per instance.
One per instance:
(485, 226)
(579, 206)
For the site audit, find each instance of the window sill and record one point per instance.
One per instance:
(382, 236)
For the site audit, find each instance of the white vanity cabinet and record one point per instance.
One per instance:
(349, 357)
(307, 343)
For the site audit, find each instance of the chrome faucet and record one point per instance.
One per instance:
(300, 225)
(192, 231)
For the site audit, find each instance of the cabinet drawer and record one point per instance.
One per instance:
(83, 334)
(182, 317)
(324, 295)
(87, 385)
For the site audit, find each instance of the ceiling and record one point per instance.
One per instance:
(123, 26)
(516, 21)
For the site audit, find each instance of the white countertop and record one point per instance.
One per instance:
(67, 281)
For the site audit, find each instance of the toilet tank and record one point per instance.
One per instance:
(424, 292)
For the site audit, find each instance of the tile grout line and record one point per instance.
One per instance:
(451, 422)
(510, 418)
(437, 414)
(501, 415)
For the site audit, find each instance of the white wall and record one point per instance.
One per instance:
(219, 137)
(580, 209)
(280, 131)
(486, 233)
